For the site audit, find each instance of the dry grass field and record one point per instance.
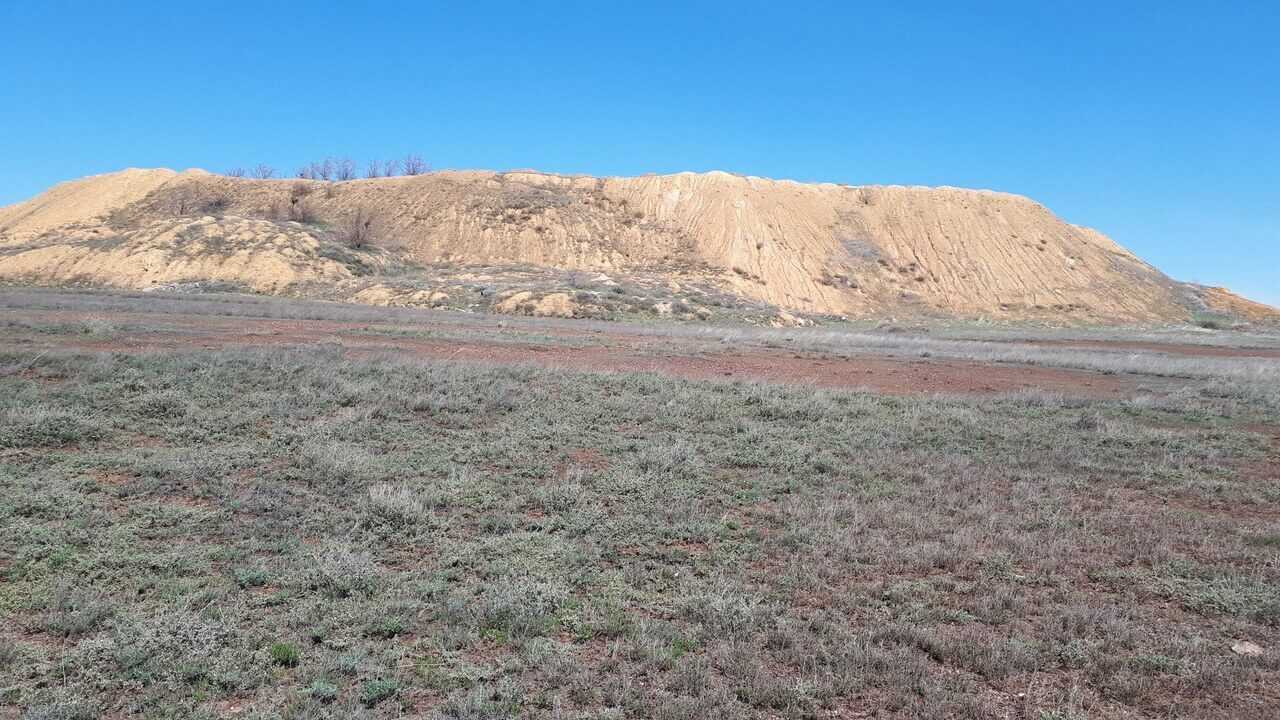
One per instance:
(228, 507)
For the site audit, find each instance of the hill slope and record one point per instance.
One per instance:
(817, 248)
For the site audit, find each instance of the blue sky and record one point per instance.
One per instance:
(1157, 123)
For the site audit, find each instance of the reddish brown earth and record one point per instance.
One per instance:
(881, 374)
(1166, 348)
(575, 349)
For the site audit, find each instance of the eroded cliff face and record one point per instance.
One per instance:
(817, 248)
(829, 248)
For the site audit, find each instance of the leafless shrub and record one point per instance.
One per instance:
(344, 169)
(415, 165)
(194, 200)
(236, 172)
(359, 229)
(263, 172)
(297, 208)
(178, 203)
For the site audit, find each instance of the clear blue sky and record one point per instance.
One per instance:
(1157, 123)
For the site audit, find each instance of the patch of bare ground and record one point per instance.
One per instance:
(1160, 347)
(623, 352)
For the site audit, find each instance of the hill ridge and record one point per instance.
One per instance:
(856, 250)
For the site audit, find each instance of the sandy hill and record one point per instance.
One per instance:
(813, 248)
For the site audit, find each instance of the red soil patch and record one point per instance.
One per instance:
(610, 351)
(584, 458)
(1166, 348)
(1267, 469)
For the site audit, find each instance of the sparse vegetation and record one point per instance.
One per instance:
(308, 533)
(340, 169)
(191, 200)
(1212, 321)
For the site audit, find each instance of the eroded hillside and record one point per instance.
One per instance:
(814, 248)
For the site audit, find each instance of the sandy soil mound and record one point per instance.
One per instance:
(1221, 300)
(81, 201)
(253, 253)
(808, 248)
(399, 297)
(525, 303)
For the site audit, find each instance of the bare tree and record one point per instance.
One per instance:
(264, 172)
(193, 200)
(391, 168)
(415, 165)
(359, 229)
(373, 170)
(235, 172)
(317, 170)
(344, 169)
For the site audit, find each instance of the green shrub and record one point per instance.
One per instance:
(375, 691)
(79, 620)
(250, 577)
(97, 327)
(162, 405)
(1212, 321)
(1155, 664)
(44, 427)
(323, 691)
(285, 655)
(386, 628)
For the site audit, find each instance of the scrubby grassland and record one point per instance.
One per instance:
(293, 533)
